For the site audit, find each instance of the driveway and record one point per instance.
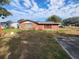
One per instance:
(70, 45)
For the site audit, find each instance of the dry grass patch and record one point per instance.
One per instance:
(35, 45)
(69, 31)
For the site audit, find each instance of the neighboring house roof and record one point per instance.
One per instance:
(40, 23)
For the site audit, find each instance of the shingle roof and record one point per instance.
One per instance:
(20, 21)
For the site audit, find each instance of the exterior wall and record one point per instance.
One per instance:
(34, 26)
(55, 27)
(40, 27)
(52, 27)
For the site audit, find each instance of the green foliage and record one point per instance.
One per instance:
(11, 30)
(54, 18)
(35, 45)
(3, 2)
(3, 12)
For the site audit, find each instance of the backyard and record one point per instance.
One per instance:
(34, 44)
(31, 44)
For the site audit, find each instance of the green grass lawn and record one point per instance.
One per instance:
(35, 45)
(11, 30)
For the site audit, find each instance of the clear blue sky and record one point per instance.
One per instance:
(40, 10)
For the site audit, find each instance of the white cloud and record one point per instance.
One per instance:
(27, 3)
(55, 7)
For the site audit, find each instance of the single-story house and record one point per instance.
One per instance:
(32, 25)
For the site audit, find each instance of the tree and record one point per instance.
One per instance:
(71, 21)
(3, 11)
(3, 2)
(54, 18)
(9, 22)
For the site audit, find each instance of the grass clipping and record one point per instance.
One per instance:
(35, 45)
